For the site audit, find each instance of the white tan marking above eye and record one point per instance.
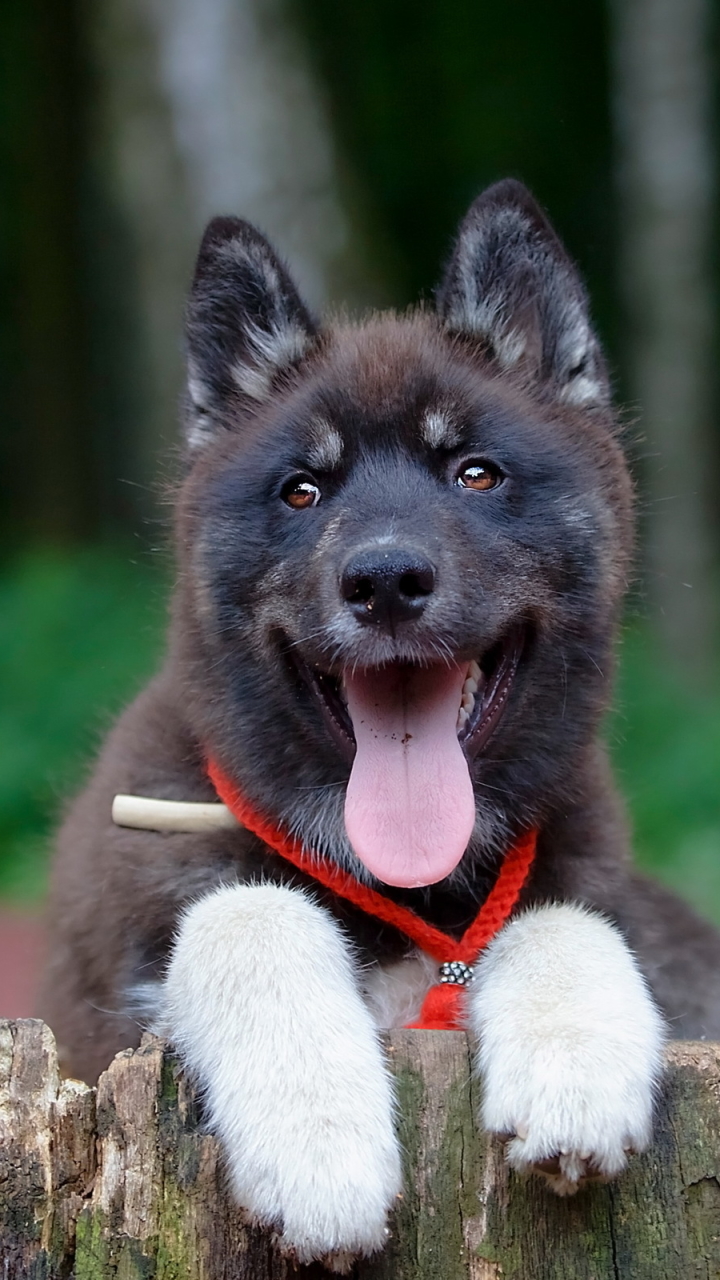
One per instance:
(326, 445)
(439, 430)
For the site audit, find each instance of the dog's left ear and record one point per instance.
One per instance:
(246, 324)
(511, 284)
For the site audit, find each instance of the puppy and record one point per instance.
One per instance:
(402, 549)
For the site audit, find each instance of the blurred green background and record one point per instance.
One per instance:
(355, 136)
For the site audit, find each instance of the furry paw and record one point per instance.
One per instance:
(327, 1194)
(569, 1046)
(574, 1123)
(262, 1000)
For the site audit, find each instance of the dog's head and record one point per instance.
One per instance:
(403, 544)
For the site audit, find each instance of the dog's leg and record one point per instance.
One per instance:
(569, 1045)
(262, 1003)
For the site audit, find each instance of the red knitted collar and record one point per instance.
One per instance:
(442, 1008)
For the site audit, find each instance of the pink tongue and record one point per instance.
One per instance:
(410, 809)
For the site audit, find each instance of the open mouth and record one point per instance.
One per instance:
(410, 732)
(483, 698)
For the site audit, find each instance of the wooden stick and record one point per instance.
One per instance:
(170, 815)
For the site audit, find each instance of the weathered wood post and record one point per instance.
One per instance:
(122, 1182)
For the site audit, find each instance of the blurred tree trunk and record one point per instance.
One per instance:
(666, 171)
(45, 435)
(200, 108)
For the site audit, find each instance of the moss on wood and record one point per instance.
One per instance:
(123, 1183)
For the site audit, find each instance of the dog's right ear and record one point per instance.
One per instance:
(246, 323)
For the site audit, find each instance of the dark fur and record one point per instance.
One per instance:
(510, 358)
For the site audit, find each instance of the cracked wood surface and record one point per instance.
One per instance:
(121, 1182)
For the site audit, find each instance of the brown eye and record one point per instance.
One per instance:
(479, 475)
(300, 492)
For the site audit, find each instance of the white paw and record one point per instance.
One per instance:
(327, 1192)
(262, 1000)
(575, 1115)
(570, 1046)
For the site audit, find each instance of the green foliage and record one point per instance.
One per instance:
(79, 633)
(665, 738)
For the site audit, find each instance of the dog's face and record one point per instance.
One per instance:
(403, 545)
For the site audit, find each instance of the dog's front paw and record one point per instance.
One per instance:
(326, 1192)
(575, 1116)
(262, 1001)
(569, 1046)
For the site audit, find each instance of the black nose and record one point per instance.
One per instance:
(387, 587)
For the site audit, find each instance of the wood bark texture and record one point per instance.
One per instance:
(123, 1182)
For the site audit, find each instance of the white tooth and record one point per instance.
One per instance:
(463, 718)
(474, 671)
(470, 686)
(467, 703)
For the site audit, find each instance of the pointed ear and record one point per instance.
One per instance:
(246, 324)
(510, 283)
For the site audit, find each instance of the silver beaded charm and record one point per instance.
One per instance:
(456, 972)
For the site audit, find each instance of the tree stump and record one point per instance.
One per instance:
(123, 1182)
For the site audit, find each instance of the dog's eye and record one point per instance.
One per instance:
(479, 475)
(300, 492)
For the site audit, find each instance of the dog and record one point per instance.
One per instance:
(403, 545)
